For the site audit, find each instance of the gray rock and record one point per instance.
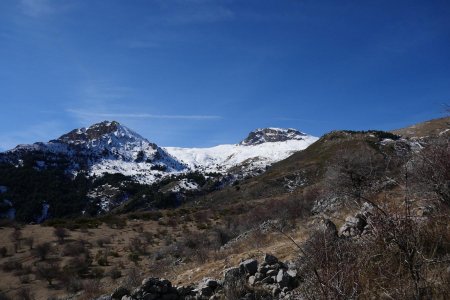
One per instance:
(232, 274)
(104, 297)
(263, 269)
(170, 296)
(205, 291)
(150, 296)
(185, 291)
(267, 280)
(119, 293)
(352, 227)
(276, 291)
(272, 272)
(270, 259)
(283, 279)
(292, 273)
(258, 276)
(251, 280)
(249, 266)
(212, 283)
(330, 228)
(127, 298)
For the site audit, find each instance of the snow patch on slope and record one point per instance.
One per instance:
(224, 157)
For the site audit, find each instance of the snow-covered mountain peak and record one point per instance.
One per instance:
(106, 130)
(271, 135)
(260, 149)
(109, 147)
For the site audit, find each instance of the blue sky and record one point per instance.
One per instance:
(205, 72)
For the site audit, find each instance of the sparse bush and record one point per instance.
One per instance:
(48, 271)
(137, 246)
(3, 296)
(134, 257)
(133, 278)
(73, 284)
(78, 265)
(114, 222)
(97, 272)
(431, 170)
(75, 248)
(29, 241)
(23, 270)
(16, 237)
(115, 273)
(103, 260)
(24, 279)
(102, 242)
(114, 254)
(25, 293)
(42, 250)
(61, 234)
(11, 265)
(92, 289)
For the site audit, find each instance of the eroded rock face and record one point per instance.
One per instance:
(356, 225)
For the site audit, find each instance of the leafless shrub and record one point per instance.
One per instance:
(42, 250)
(132, 279)
(148, 237)
(11, 265)
(78, 266)
(48, 271)
(115, 273)
(431, 169)
(3, 296)
(137, 246)
(97, 272)
(16, 237)
(61, 234)
(75, 248)
(24, 279)
(92, 289)
(73, 284)
(103, 241)
(29, 241)
(3, 251)
(356, 173)
(25, 293)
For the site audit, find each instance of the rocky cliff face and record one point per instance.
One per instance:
(271, 135)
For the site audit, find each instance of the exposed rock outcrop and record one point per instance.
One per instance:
(271, 277)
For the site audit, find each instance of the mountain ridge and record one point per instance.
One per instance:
(111, 147)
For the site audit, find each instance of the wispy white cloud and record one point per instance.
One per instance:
(99, 100)
(81, 113)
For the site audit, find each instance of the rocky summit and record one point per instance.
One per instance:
(272, 135)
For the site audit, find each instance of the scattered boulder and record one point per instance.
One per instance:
(249, 266)
(358, 224)
(119, 293)
(272, 276)
(232, 274)
(270, 259)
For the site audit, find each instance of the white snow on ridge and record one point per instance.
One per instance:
(109, 147)
(223, 157)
